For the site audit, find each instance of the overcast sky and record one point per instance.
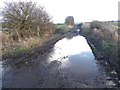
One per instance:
(81, 10)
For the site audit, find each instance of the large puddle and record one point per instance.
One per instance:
(76, 56)
(70, 64)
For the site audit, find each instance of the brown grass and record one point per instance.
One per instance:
(10, 46)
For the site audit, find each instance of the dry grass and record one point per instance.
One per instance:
(105, 37)
(102, 30)
(10, 47)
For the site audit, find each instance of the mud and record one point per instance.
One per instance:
(33, 70)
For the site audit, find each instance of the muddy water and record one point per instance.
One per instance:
(69, 63)
(76, 57)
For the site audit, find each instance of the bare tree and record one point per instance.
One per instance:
(24, 18)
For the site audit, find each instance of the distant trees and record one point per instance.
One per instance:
(69, 20)
(26, 19)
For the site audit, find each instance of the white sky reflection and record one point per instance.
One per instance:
(65, 48)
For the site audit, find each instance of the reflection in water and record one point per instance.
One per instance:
(75, 55)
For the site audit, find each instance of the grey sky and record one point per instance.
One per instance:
(82, 10)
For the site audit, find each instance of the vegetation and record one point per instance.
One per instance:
(24, 25)
(104, 35)
(95, 24)
(69, 21)
(61, 28)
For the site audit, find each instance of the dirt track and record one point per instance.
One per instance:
(34, 71)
